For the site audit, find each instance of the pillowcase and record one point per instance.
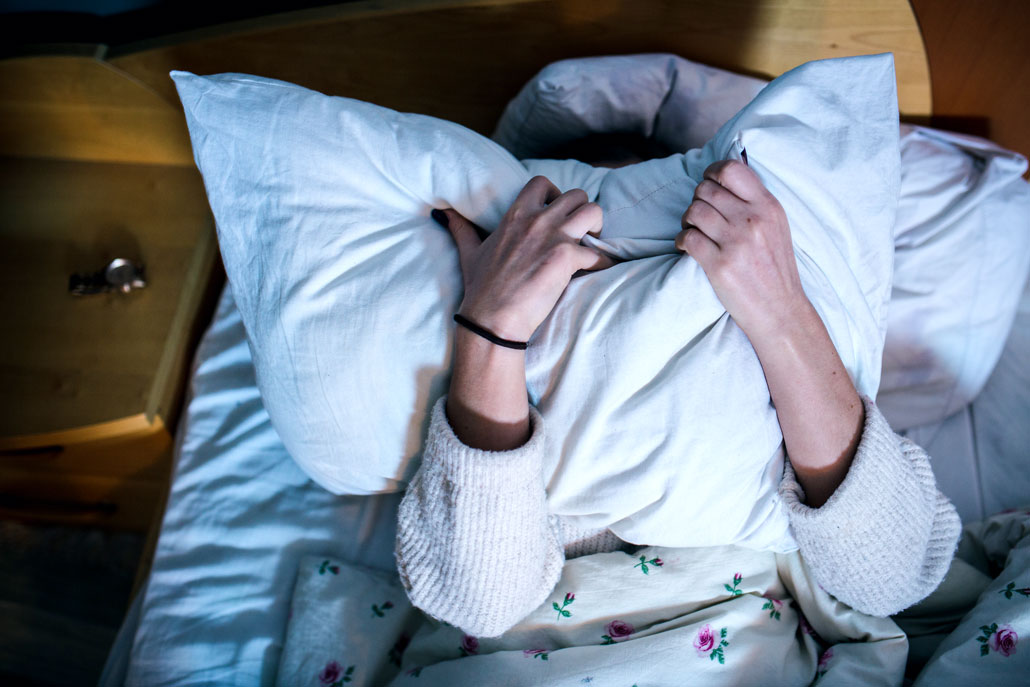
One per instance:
(962, 255)
(679, 103)
(659, 423)
(962, 235)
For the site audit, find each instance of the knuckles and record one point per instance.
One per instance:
(732, 174)
(578, 196)
(592, 212)
(563, 252)
(688, 237)
(706, 189)
(682, 240)
(698, 214)
(540, 181)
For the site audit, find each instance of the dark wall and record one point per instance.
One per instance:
(115, 22)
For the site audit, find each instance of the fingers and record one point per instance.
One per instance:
(464, 234)
(694, 242)
(570, 212)
(737, 178)
(588, 218)
(702, 215)
(718, 196)
(590, 259)
(568, 202)
(537, 193)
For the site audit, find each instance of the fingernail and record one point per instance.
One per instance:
(440, 217)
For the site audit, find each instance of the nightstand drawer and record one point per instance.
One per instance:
(116, 483)
(97, 167)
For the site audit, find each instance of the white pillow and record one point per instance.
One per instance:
(962, 254)
(962, 235)
(679, 103)
(655, 404)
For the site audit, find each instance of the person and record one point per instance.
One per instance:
(476, 546)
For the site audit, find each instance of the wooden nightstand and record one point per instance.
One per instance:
(94, 167)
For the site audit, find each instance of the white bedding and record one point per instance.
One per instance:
(346, 288)
(980, 452)
(241, 514)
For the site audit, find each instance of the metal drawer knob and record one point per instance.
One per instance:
(119, 275)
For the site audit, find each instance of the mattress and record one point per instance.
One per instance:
(240, 516)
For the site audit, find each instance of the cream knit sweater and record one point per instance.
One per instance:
(477, 548)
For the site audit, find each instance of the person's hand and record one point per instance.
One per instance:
(738, 233)
(514, 278)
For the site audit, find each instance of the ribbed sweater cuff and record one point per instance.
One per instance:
(458, 560)
(579, 542)
(885, 538)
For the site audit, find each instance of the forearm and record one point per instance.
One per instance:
(888, 536)
(487, 406)
(819, 411)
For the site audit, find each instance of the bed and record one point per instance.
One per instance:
(240, 513)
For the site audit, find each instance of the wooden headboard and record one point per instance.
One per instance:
(457, 59)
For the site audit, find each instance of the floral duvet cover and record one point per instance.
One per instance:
(713, 616)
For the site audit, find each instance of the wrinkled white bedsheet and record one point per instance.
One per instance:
(240, 516)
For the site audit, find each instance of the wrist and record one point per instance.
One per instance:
(792, 328)
(472, 351)
(498, 322)
(488, 407)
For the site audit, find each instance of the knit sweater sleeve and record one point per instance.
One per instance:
(476, 547)
(885, 538)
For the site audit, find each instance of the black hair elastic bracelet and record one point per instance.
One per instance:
(487, 334)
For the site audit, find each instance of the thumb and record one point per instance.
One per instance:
(463, 232)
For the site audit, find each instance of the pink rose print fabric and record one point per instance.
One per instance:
(1004, 641)
(705, 640)
(1011, 589)
(333, 675)
(609, 601)
(824, 661)
(1001, 639)
(562, 612)
(773, 606)
(646, 564)
(615, 631)
(327, 567)
(708, 643)
(469, 646)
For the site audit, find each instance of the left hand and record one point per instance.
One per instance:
(738, 232)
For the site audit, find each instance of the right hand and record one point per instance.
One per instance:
(739, 234)
(514, 278)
